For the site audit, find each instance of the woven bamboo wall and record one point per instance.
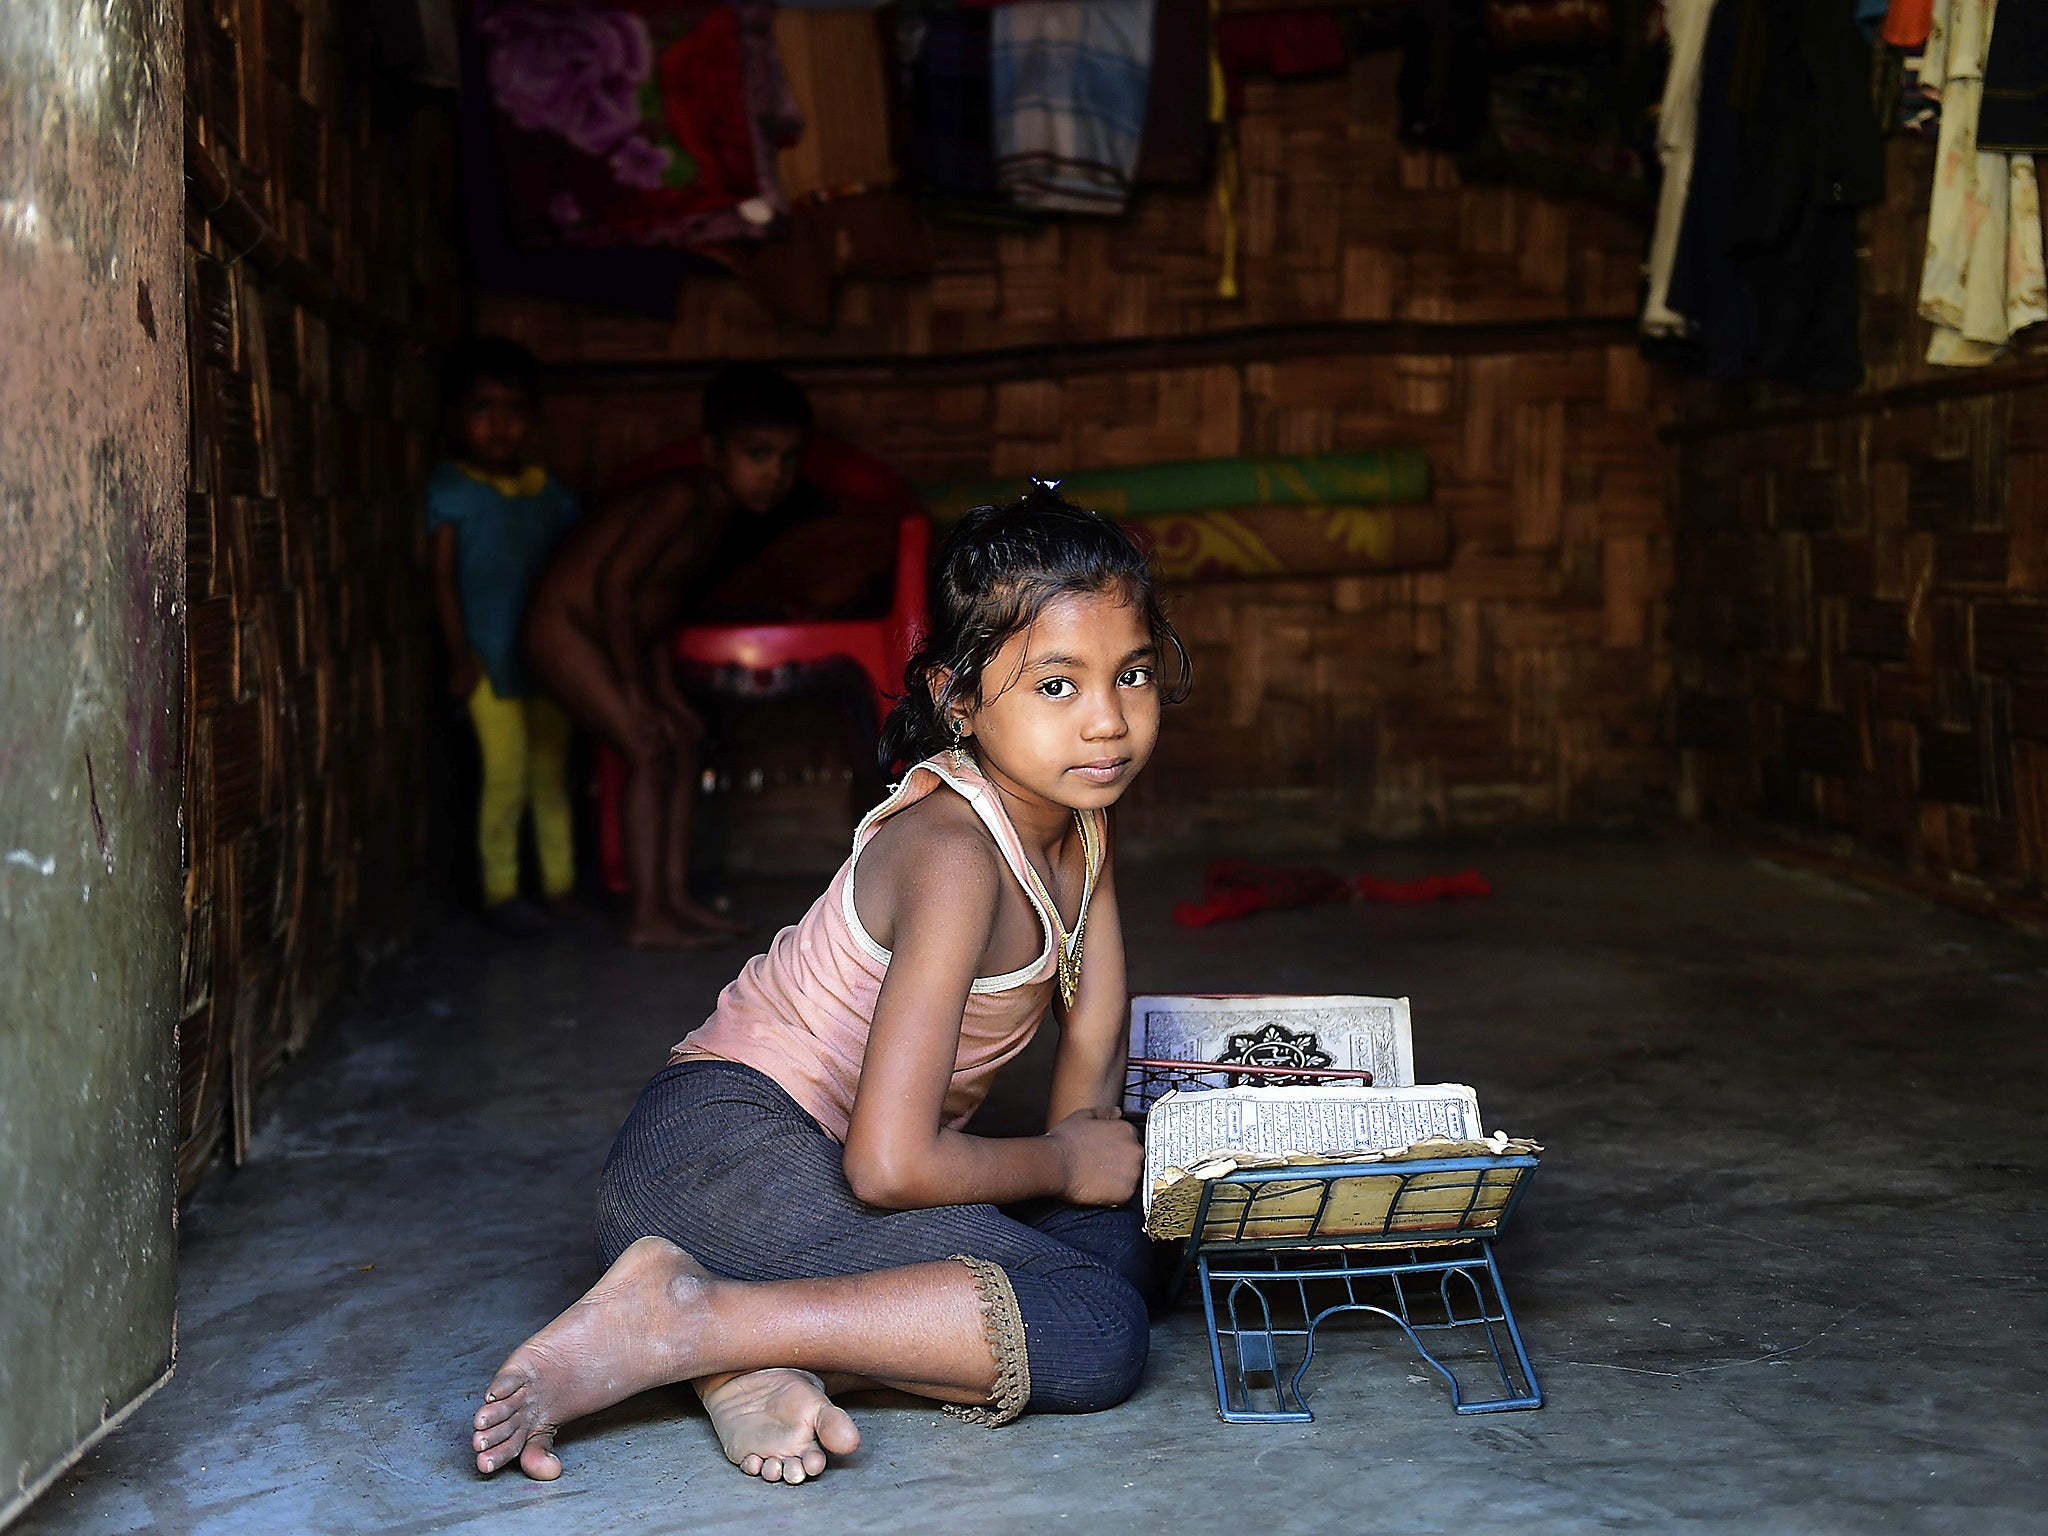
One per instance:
(317, 270)
(1514, 685)
(1862, 603)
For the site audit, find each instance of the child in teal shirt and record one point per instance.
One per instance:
(493, 519)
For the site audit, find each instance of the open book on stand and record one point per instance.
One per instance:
(1209, 1125)
(1306, 1034)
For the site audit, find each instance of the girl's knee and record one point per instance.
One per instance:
(1122, 1365)
(1091, 1354)
(1128, 1345)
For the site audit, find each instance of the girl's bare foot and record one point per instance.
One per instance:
(777, 1424)
(664, 932)
(635, 1329)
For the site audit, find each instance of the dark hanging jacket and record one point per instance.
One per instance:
(1813, 158)
(1788, 151)
(2014, 119)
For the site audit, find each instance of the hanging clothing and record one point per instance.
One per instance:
(1787, 151)
(1678, 122)
(844, 217)
(1812, 158)
(2015, 115)
(1443, 84)
(833, 60)
(1069, 82)
(1983, 278)
(1175, 148)
(1283, 44)
(639, 279)
(948, 143)
(1906, 23)
(655, 125)
(1707, 285)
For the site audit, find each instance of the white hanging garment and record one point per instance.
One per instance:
(1983, 278)
(1678, 121)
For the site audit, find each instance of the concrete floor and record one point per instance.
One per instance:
(1782, 1270)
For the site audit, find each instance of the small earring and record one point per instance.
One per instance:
(963, 761)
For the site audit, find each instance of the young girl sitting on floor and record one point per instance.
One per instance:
(792, 1208)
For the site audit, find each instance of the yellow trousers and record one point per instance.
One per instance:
(525, 746)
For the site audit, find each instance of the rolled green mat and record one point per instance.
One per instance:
(1371, 478)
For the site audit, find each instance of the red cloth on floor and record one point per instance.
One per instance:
(1467, 882)
(1235, 888)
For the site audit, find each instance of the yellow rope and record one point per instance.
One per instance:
(1226, 160)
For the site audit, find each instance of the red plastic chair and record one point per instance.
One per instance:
(880, 647)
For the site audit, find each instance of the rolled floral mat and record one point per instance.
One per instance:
(1252, 542)
(1374, 477)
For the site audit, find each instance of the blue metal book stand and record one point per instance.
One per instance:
(1278, 1252)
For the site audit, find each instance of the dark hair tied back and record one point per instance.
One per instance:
(996, 572)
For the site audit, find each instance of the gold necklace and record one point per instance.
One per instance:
(1067, 948)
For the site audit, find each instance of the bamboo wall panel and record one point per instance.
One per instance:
(1515, 685)
(1861, 611)
(312, 426)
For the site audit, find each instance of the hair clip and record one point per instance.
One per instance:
(1045, 485)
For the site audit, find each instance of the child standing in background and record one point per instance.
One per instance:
(606, 611)
(493, 519)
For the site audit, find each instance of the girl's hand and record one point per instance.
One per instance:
(1101, 1154)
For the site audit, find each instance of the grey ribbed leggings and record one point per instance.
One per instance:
(719, 1160)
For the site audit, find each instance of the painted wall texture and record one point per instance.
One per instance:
(92, 477)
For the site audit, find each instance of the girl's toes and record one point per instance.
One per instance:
(490, 1439)
(813, 1462)
(837, 1432)
(504, 1389)
(751, 1465)
(495, 1411)
(539, 1461)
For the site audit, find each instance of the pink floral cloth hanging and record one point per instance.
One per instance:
(637, 122)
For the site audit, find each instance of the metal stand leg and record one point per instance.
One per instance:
(1252, 1296)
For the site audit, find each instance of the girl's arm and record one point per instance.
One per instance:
(898, 1155)
(463, 671)
(1088, 1071)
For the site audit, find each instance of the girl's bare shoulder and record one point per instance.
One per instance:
(934, 851)
(940, 835)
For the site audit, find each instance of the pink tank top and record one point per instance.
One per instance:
(800, 1013)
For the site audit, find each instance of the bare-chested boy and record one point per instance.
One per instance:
(602, 614)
